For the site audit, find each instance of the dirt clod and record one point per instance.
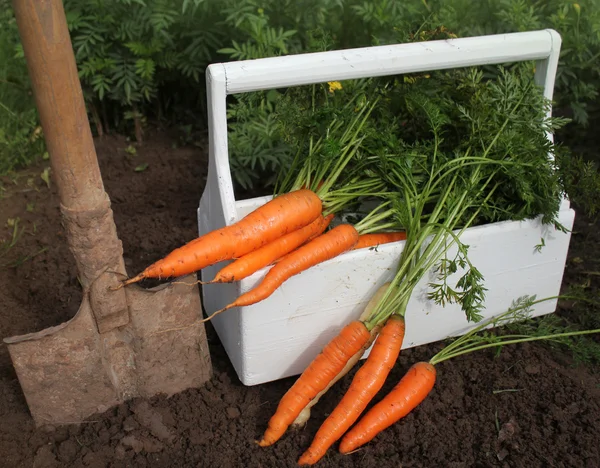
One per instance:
(233, 413)
(45, 458)
(151, 420)
(532, 369)
(67, 451)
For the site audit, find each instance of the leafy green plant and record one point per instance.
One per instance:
(142, 61)
(257, 149)
(581, 180)
(21, 139)
(130, 51)
(584, 349)
(578, 77)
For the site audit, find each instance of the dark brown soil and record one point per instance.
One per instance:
(548, 417)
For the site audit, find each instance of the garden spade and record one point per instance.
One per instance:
(122, 343)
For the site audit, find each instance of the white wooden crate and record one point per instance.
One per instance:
(278, 337)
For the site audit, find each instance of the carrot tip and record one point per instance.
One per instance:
(217, 281)
(220, 311)
(305, 460)
(135, 279)
(350, 452)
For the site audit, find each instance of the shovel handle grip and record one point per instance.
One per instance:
(59, 99)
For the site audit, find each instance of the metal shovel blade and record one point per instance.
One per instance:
(72, 371)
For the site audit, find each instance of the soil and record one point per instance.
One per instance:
(530, 406)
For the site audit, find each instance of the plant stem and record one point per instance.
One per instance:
(469, 342)
(435, 361)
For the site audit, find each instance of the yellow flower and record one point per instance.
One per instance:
(577, 8)
(334, 86)
(37, 133)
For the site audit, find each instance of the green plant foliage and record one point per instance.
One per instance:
(21, 139)
(270, 28)
(257, 149)
(142, 61)
(128, 51)
(578, 77)
(584, 349)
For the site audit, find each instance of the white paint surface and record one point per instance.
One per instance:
(278, 337)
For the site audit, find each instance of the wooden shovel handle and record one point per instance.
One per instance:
(85, 207)
(59, 99)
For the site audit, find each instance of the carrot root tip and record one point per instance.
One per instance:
(220, 311)
(350, 452)
(135, 279)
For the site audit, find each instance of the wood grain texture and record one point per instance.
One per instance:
(59, 99)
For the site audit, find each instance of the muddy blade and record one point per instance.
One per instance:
(71, 371)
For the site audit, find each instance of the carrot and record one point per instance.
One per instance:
(260, 258)
(315, 378)
(373, 240)
(277, 260)
(285, 213)
(412, 389)
(304, 415)
(316, 234)
(329, 245)
(366, 383)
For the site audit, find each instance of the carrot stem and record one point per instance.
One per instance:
(468, 342)
(507, 342)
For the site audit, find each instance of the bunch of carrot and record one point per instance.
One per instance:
(292, 232)
(420, 379)
(287, 232)
(409, 392)
(453, 189)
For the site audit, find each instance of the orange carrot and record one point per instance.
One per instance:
(366, 383)
(373, 240)
(317, 234)
(260, 258)
(285, 213)
(412, 389)
(304, 415)
(315, 378)
(329, 245)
